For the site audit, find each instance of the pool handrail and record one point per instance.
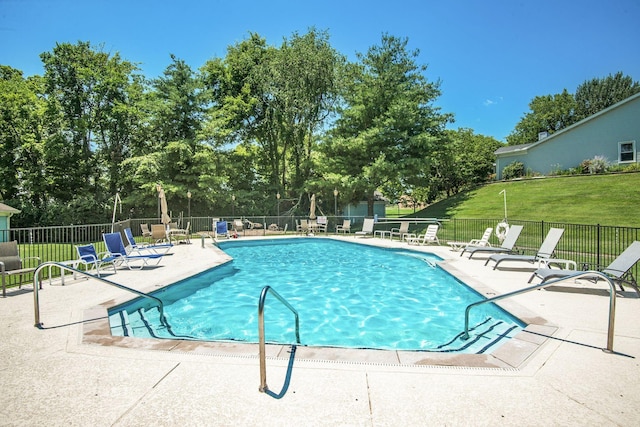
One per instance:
(578, 275)
(263, 363)
(37, 285)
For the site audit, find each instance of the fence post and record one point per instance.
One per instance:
(598, 261)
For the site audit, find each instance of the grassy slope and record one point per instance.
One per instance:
(598, 199)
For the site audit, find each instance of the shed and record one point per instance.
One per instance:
(6, 212)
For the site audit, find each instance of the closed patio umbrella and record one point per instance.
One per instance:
(164, 217)
(312, 208)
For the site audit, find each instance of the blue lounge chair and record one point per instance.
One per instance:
(116, 249)
(222, 229)
(544, 253)
(88, 257)
(505, 248)
(157, 248)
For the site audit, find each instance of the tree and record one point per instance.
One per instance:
(387, 127)
(595, 95)
(549, 113)
(22, 183)
(276, 99)
(89, 125)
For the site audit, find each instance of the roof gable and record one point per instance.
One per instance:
(524, 147)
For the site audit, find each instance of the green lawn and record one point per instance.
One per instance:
(597, 199)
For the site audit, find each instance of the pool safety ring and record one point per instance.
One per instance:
(501, 230)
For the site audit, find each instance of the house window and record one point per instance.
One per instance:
(627, 151)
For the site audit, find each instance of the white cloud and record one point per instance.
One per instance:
(490, 102)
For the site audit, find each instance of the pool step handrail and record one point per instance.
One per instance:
(578, 275)
(263, 363)
(37, 285)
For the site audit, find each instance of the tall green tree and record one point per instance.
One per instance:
(87, 92)
(596, 94)
(276, 99)
(388, 126)
(22, 182)
(549, 113)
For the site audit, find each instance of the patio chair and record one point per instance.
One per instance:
(88, 257)
(221, 229)
(345, 227)
(322, 224)
(145, 230)
(483, 241)
(367, 228)
(238, 225)
(303, 227)
(159, 233)
(619, 270)
(506, 246)
(12, 264)
(430, 236)
(400, 231)
(545, 252)
(182, 233)
(158, 248)
(115, 248)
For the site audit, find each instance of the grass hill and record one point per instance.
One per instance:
(585, 199)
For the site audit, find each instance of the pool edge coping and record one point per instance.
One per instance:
(512, 355)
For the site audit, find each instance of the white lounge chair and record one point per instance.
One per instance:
(345, 227)
(545, 252)
(367, 227)
(619, 270)
(401, 231)
(506, 247)
(483, 241)
(430, 236)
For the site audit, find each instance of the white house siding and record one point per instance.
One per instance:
(597, 135)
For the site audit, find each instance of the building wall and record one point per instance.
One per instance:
(4, 226)
(599, 135)
(360, 210)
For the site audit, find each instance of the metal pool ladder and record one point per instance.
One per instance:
(37, 285)
(263, 363)
(578, 275)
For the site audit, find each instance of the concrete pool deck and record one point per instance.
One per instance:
(68, 373)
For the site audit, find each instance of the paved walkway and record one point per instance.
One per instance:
(64, 375)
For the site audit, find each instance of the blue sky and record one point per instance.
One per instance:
(492, 57)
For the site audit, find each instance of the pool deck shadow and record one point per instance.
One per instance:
(72, 371)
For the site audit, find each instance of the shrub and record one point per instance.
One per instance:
(598, 164)
(513, 170)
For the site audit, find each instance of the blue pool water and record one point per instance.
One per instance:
(347, 295)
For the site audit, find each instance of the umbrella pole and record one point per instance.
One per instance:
(115, 205)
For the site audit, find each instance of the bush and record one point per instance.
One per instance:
(513, 170)
(598, 164)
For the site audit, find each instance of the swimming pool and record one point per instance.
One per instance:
(347, 294)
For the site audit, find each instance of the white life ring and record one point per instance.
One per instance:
(501, 230)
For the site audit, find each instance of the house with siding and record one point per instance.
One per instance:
(612, 133)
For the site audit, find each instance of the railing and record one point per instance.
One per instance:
(37, 285)
(263, 363)
(612, 301)
(590, 246)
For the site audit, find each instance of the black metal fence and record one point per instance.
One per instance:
(590, 246)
